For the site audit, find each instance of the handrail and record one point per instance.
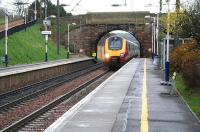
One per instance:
(17, 28)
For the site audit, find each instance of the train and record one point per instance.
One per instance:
(116, 48)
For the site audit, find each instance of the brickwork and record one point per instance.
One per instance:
(95, 25)
(86, 37)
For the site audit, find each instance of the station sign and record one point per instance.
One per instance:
(46, 32)
(46, 22)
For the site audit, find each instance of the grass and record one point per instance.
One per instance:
(28, 46)
(192, 96)
(1, 21)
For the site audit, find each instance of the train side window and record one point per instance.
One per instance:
(129, 47)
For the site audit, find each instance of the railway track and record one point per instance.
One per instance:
(13, 111)
(43, 117)
(21, 95)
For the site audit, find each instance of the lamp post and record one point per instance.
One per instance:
(152, 38)
(6, 39)
(167, 63)
(58, 25)
(46, 36)
(157, 33)
(58, 28)
(157, 26)
(153, 51)
(35, 11)
(68, 51)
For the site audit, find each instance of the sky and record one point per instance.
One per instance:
(105, 5)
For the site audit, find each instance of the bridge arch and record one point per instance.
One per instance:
(87, 36)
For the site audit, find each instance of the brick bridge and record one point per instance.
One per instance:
(93, 26)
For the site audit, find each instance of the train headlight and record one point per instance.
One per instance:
(107, 56)
(122, 55)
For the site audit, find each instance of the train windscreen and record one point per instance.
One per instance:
(115, 43)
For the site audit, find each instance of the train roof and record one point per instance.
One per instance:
(123, 34)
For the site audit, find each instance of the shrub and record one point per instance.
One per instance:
(191, 74)
(186, 59)
(184, 54)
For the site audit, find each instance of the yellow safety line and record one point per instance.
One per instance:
(144, 127)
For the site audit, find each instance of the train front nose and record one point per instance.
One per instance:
(111, 59)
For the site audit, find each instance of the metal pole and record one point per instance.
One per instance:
(58, 27)
(154, 34)
(167, 64)
(40, 10)
(164, 53)
(25, 16)
(46, 36)
(45, 9)
(157, 33)
(6, 40)
(68, 40)
(35, 11)
(46, 48)
(152, 41)
(125, 3)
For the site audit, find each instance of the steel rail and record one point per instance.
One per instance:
(17, 125)
(56, 82)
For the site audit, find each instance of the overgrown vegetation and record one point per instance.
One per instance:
(185, 23)
(185, 58)
(191, 96)
(29, 47)
(191, 74)
(184, 54)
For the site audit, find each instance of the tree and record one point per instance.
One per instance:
(20, 6)
(194, 15)
(177, 5)
(51, 9)
(176, 22)
(185, 23)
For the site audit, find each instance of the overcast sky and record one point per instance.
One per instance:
(105, 5)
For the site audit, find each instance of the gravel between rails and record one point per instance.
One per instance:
(45, 120)
(15, 114)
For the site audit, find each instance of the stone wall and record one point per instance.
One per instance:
(86, 37)
(94, 25)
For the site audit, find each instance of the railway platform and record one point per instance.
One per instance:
(130, 100)
(16, 77)
(31, 67)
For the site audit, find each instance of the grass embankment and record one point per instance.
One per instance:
(191, 96)
(1, 21)
(28, 46)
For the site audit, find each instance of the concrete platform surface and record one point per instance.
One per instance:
(129, 101)
(30, 67)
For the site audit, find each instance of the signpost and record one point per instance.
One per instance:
(46, 33)
(46, 22)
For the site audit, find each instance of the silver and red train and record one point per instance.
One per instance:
(117, 47)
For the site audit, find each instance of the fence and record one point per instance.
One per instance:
(17, 28)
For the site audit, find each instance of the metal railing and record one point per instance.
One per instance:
(17, 28)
